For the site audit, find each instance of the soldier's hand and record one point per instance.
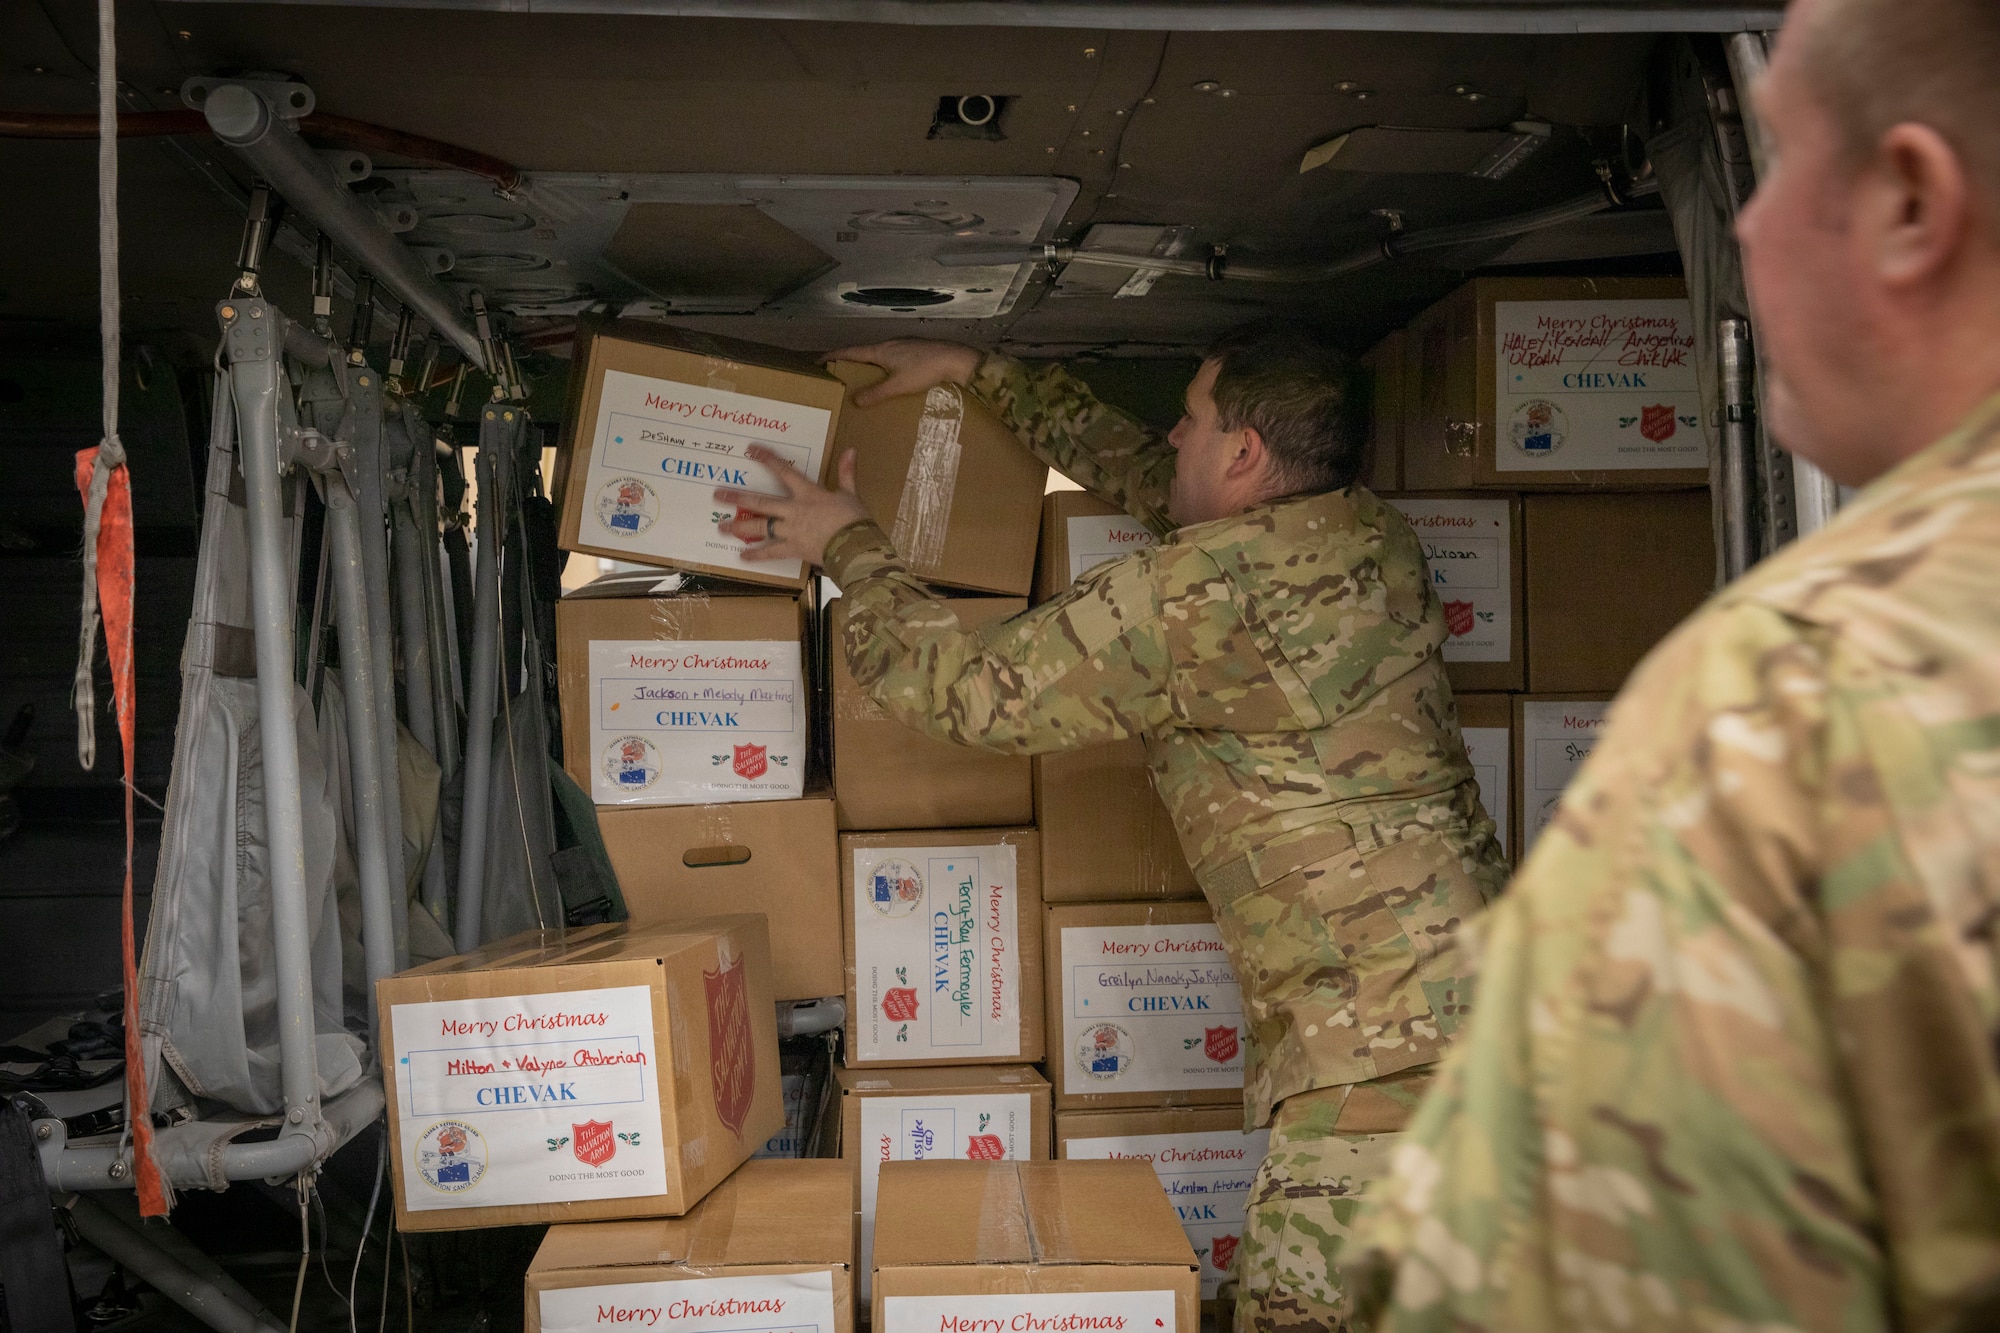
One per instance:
(797, 525)
(915, 365)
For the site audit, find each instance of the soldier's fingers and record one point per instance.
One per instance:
(745, 527)
(870, 353)
(787, 475)
(847, 472)
(751, 501)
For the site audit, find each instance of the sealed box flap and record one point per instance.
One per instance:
(948, 1078)
(1100, 1212)
(712, 347)
(606, 943)
(777, 1211)
(941, 1213)
(639, 1243)
(760, 613)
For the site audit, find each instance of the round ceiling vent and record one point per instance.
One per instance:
(508, 263)
(921, 220)
(896, 298)
(479, 224)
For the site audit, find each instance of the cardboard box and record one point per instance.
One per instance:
(943, 935)
(1608, 577)
(1144, 1008)
(1106, 836)
(773, 1243)
(1553, 384)
(1382, 468)
(658, 418)
(1205, 1162)
(1486, 721)
(1045, 1245)
(571, 1076)
(775, 858)
(1552, 738)
(1079, 533)
(958, 495)
(675, 700)
(1472, 545)
(890, 776)
(983, 1113)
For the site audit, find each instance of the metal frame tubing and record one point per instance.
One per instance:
(496, 436)
(242, 119)
(414, 575)
(364, 691)
(252, 337)
(1739, 441)
(194, 1292)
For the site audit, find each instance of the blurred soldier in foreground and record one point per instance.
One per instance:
(1279, 652)
(1733, 1065)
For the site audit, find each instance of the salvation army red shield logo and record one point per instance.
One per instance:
(1458, 618)
(1222, 1252)
(1220, 1043)
(732, 1058)
(594, 1142)
(899, 1004)
(985, 1148)
(750, 762)
(1657, 423)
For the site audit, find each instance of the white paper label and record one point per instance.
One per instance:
(660, 448)
(1487, 748)
(1555, 740)
(786, 1142)
(1589, 385)
(1148, 1009)
(978, 1127)
(529, 1099)
(770, 1303)
(937, 962)
(1207, 1177)
(687, 722)
(1469, 551)
(1096, 538)
(1065, 1312)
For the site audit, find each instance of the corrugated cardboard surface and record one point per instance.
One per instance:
(1117, 914)
(1511, 674)
(974, 524)
(889, 776)
(1526, 802)
(947, 1081)
(1027, 927)
(1106, 835)
(976, 1227)
(775, 858)
(1609, 576)
(1052, 564)
(668, 959)
(687, 357)
(697, 616)
(1448, 374)
(1382, 469)
(769, 1217)
(1157, 1120)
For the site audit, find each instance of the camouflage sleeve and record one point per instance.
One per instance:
(1080, 668)
(1107, 452)
(1726, 1071)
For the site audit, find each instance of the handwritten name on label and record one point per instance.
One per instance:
(1148, 1009)
(1595, 385)
(773, 1303)
(677, 723)
(1207, 1176)
(1556, 738)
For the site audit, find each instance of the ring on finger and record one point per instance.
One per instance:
(770, 527)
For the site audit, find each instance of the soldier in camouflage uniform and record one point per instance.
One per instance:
(1734, 1065)
(1279, 654)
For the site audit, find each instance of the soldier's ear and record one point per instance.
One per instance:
(1250, 455)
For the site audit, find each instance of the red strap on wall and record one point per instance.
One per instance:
(114, 597)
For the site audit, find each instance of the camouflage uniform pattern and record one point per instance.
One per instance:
(1283, 668)
(1734, 1062)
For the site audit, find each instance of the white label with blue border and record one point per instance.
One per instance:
(689, 722)
(1148, 1009)
(1584, 386)
(1207, 1175)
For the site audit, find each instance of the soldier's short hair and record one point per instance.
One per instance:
(1302, 394)
(1875, 64)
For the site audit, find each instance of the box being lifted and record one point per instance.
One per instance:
(1030, 1245)
(567, 1076)
(658, 418)
(1553, 384)
(695, 696)
(959, 496)
(1144, 1007)
(944, 946)
(772, 1247)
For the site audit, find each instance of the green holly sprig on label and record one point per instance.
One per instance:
(629, 1140)
(555, 1145)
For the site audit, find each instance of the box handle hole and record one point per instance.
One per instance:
(695, 858)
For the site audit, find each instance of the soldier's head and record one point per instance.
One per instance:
(1872, 245)
(1275, 410)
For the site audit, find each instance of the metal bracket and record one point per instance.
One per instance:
(287, 98)
(252, 328)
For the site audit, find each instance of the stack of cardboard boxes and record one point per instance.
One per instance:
(1544, 437)
(1028, 966)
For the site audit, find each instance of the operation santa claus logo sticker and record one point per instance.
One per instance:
(631, 764)
(894, 888)
(1105, 1051)
(451, 1157)
(1538, 427)
(627, 506)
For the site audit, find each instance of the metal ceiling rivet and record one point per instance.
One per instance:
(1206, 86)
(1089, 52)
(1119, 111)
(1086, 134)
(1147, 101)
(1345, 86)
(184, 34)
(1225, 92)
(1048, 150)
(1124, 166)
(1070, 107)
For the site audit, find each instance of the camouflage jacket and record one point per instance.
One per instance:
(1283, 668)
(1734, 1061)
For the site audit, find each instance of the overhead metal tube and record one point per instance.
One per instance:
(252, 336)
(364, 691)
(495, 437)
(245, 122)
(1739, 442)
(196, 1294)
